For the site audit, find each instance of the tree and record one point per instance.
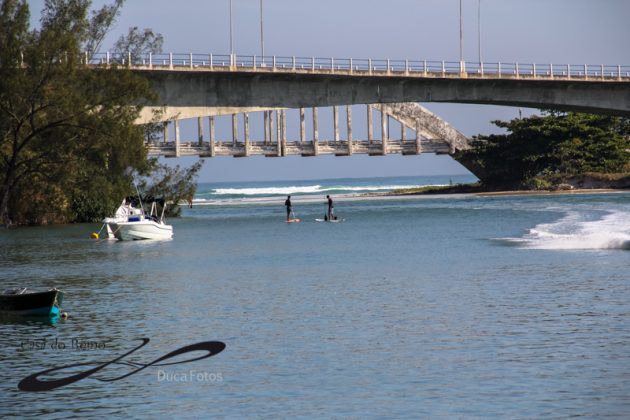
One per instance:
(67, 133)
(100, 24)
(175, 185)
(551, 148)
(137, 44)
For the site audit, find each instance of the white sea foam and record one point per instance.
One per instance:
(612, 231)
(305, 189)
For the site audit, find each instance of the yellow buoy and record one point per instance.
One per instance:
(94, 235)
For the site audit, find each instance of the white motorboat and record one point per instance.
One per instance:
(131, 222)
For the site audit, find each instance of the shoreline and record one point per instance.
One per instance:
(407, 195)
(503, 193)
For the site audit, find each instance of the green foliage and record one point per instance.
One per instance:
(541, 151)
(175, 185)
(138, 43)
(67, 134)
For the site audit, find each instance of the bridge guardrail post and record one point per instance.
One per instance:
(313, 64)
(351, 65)
(585, 72)
(424, 67)
(293, 62)
(517, 72)
(481, 68)
(150, 60)
(619, 72)
(273, 63)
(406, 67)
(534, 70)
(107, 57)
(389, 70)
(129, 59)
(170, 61)
(569, 71)
(211, 63)
(551, 70)
(602, 67)
(499, 69)
(370, 66)
(332, 64)
(443, 68)
(191, 60)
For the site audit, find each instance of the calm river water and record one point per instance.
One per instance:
(457, 306)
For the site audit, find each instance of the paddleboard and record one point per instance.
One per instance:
(330, 221)
(293, 221)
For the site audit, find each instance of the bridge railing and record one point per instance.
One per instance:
(362, 65)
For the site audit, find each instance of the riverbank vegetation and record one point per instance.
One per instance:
(555, 150)
(69, 146)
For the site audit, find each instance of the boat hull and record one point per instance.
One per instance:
(145, 229)
(32, 304)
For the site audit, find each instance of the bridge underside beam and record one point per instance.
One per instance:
(282, 90)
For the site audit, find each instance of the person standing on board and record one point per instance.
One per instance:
(330, 208)
(289, 207)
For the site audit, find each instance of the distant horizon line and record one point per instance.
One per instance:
(342, 177)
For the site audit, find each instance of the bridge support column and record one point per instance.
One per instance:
(234, 129)
(265, 127)
(384, 129)
(336, 123)
(200, 131)
(177, 151)
(302, 126)
(315, 133)
(370, 128)
(271, 128)
(278, 133)
(211, 137)
(349, 122)
(246, 131)
(283, 132)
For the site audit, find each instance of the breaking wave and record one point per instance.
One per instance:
(305, 189)
(612, 231)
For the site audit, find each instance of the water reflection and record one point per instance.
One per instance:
(12, 319)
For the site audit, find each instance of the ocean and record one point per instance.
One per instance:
(230, 193)
(448, 306)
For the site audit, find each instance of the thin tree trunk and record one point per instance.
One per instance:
(5, 219)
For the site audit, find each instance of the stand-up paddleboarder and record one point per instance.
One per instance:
(289, 207)
(331, 208)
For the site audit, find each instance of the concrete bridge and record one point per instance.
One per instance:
(202, 84)
(206, 85)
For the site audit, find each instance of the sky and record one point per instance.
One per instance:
(525, 31)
